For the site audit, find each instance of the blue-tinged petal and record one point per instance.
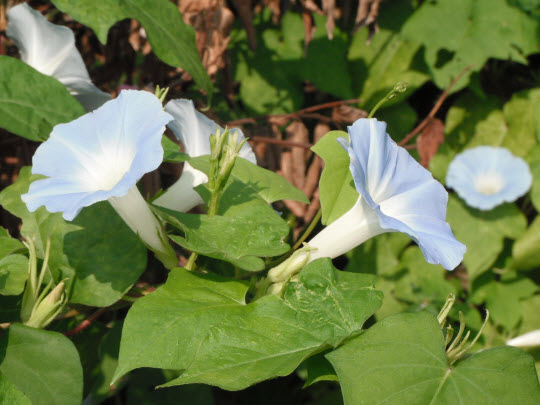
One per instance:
(402, 195)
(487, 176)
(51, 50)
(104, 152)
(58, 195)
(193, 129)
(101, 156)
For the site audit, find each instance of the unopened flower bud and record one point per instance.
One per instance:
(289, 267)
(45, 312)
(401, 87)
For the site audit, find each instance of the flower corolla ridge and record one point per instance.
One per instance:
(101, 156)
(50, 49)
(487, 176)
(396, 195)
(193, 129)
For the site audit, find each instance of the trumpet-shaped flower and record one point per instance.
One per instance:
(487, 176)
(396, 195)
(101, 156)
(193, 129)
(50, 49)
(529, 339)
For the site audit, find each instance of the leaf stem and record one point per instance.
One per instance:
(308, 231)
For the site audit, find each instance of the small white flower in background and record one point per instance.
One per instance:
(101, 156)
(396, 195)
(50, 49)
(487, 176)
(193, 129)
(529, 339)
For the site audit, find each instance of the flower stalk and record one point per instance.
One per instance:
(225, 148)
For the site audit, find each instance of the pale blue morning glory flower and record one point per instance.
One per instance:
(193, 129)
(50, 49)
(101, 156)
(487, 176)
(396, 195)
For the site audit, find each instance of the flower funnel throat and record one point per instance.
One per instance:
(487, 176)
(193, 129)
(101, 156)
(396, 195)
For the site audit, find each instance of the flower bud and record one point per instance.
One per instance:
(46, 310)
(289, 267)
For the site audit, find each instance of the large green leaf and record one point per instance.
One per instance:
(271, 77)
(534, 162)
(43, 365)
(336, 186)
(10, 395)
(259, 182)
(459, 33)
(172, 152)
(420, 282)
(325, 64)
(13, 274)
(380, 256)
(378, 64)
(502, 297)
(201, 324)
(31, 103)
(526, 250)
(401, 359)
(172, 40)
(9, 245)
(483, 232)
(238, 240)
(39, 225)
(107, 256)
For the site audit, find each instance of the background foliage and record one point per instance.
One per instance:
(281, 70)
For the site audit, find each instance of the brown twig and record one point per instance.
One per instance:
(304, 111)
(435, 108)
(86, 323)
(280, 142)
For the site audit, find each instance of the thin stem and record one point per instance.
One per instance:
(290, 144)
(253, 120)
(86, 323)
(190, 265)
(400, 87)
(308, 230)
(45, 262)
(381, 102)
(434, 110)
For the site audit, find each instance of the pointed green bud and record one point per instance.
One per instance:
(48, 308)
(401, 87)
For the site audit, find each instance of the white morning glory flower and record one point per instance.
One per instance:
(487, 176)
(396, 195)
(101, 156)
(50, 49)
(529, 339)
(193, 129)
